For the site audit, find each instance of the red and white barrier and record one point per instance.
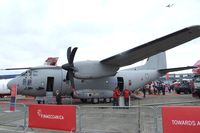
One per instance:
(181, 119)
(56, 117)
(13, 97)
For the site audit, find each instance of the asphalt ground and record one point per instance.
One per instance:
(101, 117)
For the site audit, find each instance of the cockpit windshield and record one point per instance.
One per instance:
(23, 74)
(29, 73)
(26, 73)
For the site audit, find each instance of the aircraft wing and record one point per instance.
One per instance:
(8, 76)
(33, 68)
(151, 48)
(164, 71)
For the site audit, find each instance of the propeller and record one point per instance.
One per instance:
(69, 67)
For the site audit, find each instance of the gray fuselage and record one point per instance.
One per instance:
(38, 82)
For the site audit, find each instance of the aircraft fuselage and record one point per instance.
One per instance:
(38, 82)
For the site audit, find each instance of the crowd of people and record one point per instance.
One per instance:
(157, 88)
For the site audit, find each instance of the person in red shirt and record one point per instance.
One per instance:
(126, 96)
(116, 95)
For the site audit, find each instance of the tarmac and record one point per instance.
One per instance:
(143, 116)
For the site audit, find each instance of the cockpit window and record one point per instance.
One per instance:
(27, 73)
(29, 82)
(24, 82)
(24, 73)
(35, 73)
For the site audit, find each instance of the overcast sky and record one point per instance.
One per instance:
(32, 30)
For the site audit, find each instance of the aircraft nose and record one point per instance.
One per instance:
(10, 84)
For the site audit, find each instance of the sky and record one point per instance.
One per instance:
(32, 30)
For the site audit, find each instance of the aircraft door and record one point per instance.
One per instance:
(120, 82)
(50, 83)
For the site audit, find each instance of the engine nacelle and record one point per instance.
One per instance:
(93, 70)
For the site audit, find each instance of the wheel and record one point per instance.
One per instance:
(83, 100)
(39, 101)
(178, 92)
(95, 100)
(107, 100)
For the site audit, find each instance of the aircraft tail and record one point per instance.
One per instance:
(157, 61)
(197, 69)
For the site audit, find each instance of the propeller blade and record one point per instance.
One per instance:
(71, 60)
(71, 78)
(67, 76)
(69, 67)
(68, 53)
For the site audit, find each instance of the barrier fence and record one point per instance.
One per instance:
(133, 119)
(52, 117)
(15, 118)
(101, 119)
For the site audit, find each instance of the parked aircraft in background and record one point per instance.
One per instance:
(96, 79)
(4, 91)
(197, 69)
(196, 80)
(5, 77)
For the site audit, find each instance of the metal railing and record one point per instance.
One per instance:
(118, 119)
(102, 119)
(15, 118)
(132, 119)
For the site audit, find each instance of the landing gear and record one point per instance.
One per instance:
(40, 101)
(107, 100)
(83, 100)
(95, 100)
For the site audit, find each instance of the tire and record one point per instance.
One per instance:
(95, 100)
(83, 100)
(107, 100)
(178, 92)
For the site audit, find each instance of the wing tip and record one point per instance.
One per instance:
(194, 27)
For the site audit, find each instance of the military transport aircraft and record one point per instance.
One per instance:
(96, 79)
